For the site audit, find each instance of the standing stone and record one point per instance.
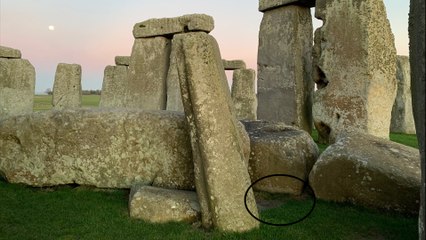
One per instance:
(114, 87)
(284, 66)
(174, 98)
(17, 84)
(402, 112)
(148, 68)
(221, 175)
(243, 93)
(416, 31)
(354, 68)
(67, 86)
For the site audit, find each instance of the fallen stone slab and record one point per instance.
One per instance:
(67, 86)
(17, 84)
(221, 175)
(266, 5)
(122, 60)
(368, 171)
(114, 86)
(277, 148)
(233, 64)
(107, 148)
(169, 26)
(7, 52)
(159, 205)
(243, 93)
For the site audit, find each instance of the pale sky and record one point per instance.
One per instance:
(92, 32)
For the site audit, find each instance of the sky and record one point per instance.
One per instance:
(91, 33)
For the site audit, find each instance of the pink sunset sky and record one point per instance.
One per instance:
(91, 33)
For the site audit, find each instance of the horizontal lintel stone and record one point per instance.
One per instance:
(265, 5)
(233, 64)
(7, 52)
(122, 60)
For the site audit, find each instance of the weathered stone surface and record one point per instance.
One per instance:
(354, 68)
(215, 138)
(266, 5)
(67, 86)
(7, 52)
(17, 83)
(368, 171)
(402, 120)
(284, 63)
(417, 33)
(148, 69)
(169, 26)
(244, 94)
(114, 87)
(103, 147)
(159, 205)
(277, 148)
(174, 98)
(122, 60)
(233, 64)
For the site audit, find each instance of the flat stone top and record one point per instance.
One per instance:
(265, 5)
(122, 60)
(7, 52)
(233, 64)
(169, 26)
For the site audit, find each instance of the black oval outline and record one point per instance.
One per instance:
(280, 224)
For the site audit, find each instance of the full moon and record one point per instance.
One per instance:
(51, 28)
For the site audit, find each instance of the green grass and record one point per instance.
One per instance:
(44, 102)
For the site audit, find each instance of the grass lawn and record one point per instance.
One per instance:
(44, 102)
(78, 212)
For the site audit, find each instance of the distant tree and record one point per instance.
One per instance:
(48, 91)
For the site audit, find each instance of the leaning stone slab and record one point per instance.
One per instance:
(285, 87)
(7, 52)
(277, 148)
(233, 64)
(221, 175)
(354, 68)
(243, 93)
(174, 98)
(105, 148)
(368, 171)
(114, 86)
(402, 111)
(266, 5)
(122, 60)
(17, 84)
(159, 205)
(169, 26)
(149, 64)
(67, 86)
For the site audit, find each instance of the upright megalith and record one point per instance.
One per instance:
(17, 83)
(174, 98)
(221, 175)
(149, 64)
(243, 93)
(284, 63)
(402, 111)
(354, 68)
(67, 86)
(114, 86)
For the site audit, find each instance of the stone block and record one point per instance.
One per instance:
(114, 86)
(122, 60)
(169, 26)
(243, 93)
(67, 86)
(233, 64)
(7, 52)
(267, 5)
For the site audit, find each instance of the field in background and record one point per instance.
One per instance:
(44, 102)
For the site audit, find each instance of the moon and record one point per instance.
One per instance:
(51, 28)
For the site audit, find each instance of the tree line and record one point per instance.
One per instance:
(84, 92)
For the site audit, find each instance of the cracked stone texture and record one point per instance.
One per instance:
(368, 171)
(267, 5)
(114, 86)
(169, 26)
(149, 64)
(416, 30)
(354, 68)
(221, 175)
(17, 85)
(243, 93)
(174, 98)
(284, 86)
(104, 148)
(122, 60)
(67, 86)
(233, 64)
(402, 120)
(159, 205)
(7, 52)
(277, 148)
